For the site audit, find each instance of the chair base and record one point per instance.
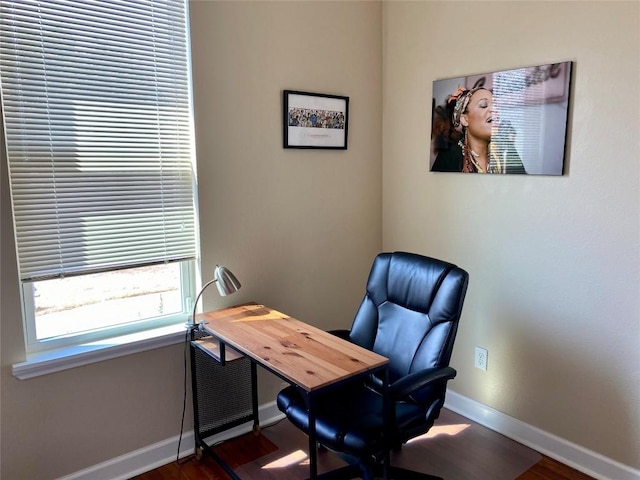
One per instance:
(355, 471)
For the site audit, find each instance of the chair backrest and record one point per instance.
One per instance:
(410, 311)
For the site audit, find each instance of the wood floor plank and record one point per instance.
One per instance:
(236, 452)
(549, 469)
(166, 472)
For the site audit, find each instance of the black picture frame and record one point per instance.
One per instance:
(528, 109)
(314, 120)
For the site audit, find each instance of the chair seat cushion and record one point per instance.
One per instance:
(349, 419)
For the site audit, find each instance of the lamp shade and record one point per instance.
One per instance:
(227, 284)
(226, 281)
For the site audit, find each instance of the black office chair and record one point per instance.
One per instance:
(410, 315)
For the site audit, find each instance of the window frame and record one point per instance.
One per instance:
(189, 275)
(34, 345)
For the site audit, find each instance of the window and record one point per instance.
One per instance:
(96, 97)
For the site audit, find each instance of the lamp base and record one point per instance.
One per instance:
(194, 326)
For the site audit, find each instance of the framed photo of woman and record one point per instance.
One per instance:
(506, 122)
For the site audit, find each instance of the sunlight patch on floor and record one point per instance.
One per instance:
(294, 458)
(300, 457)
(437, 430)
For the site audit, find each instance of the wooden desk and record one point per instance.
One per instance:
(303, 355)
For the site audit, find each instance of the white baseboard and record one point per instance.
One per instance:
(576, 456)
(164, 452)
(580, 458)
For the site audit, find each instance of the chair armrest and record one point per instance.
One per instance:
(344, 334)
(423, 378)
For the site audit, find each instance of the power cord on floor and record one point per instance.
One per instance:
(184, 398)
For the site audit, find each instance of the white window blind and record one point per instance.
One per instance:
(97, 114)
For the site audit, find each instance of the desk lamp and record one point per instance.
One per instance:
(227, 284)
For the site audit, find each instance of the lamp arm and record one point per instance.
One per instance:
(195, 304)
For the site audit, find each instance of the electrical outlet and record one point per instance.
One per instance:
(481, 358)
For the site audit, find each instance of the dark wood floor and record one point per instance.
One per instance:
(236, 452)
(549, 469)
(456, 449)
(207, 469)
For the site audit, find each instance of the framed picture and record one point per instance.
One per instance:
(314, 120)
(509, 121)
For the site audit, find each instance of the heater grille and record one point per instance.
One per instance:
(222, 394)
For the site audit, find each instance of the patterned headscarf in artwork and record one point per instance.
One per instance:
(461, 97)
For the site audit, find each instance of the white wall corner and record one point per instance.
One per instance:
(571, 454)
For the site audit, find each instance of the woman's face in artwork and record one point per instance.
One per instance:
(480, 116)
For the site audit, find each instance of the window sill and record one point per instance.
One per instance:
(52, 361)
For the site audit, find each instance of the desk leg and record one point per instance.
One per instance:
(254, 397)
(209, 451)
(386, 412)
(313, 448)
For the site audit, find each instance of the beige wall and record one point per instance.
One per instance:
(554, 261)
(299, 228)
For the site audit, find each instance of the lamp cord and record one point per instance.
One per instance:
(195, 304)
(184, 398)
(186, 344)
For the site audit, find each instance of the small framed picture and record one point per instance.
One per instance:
(314, 120)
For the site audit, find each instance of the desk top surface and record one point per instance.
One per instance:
(303, 354)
